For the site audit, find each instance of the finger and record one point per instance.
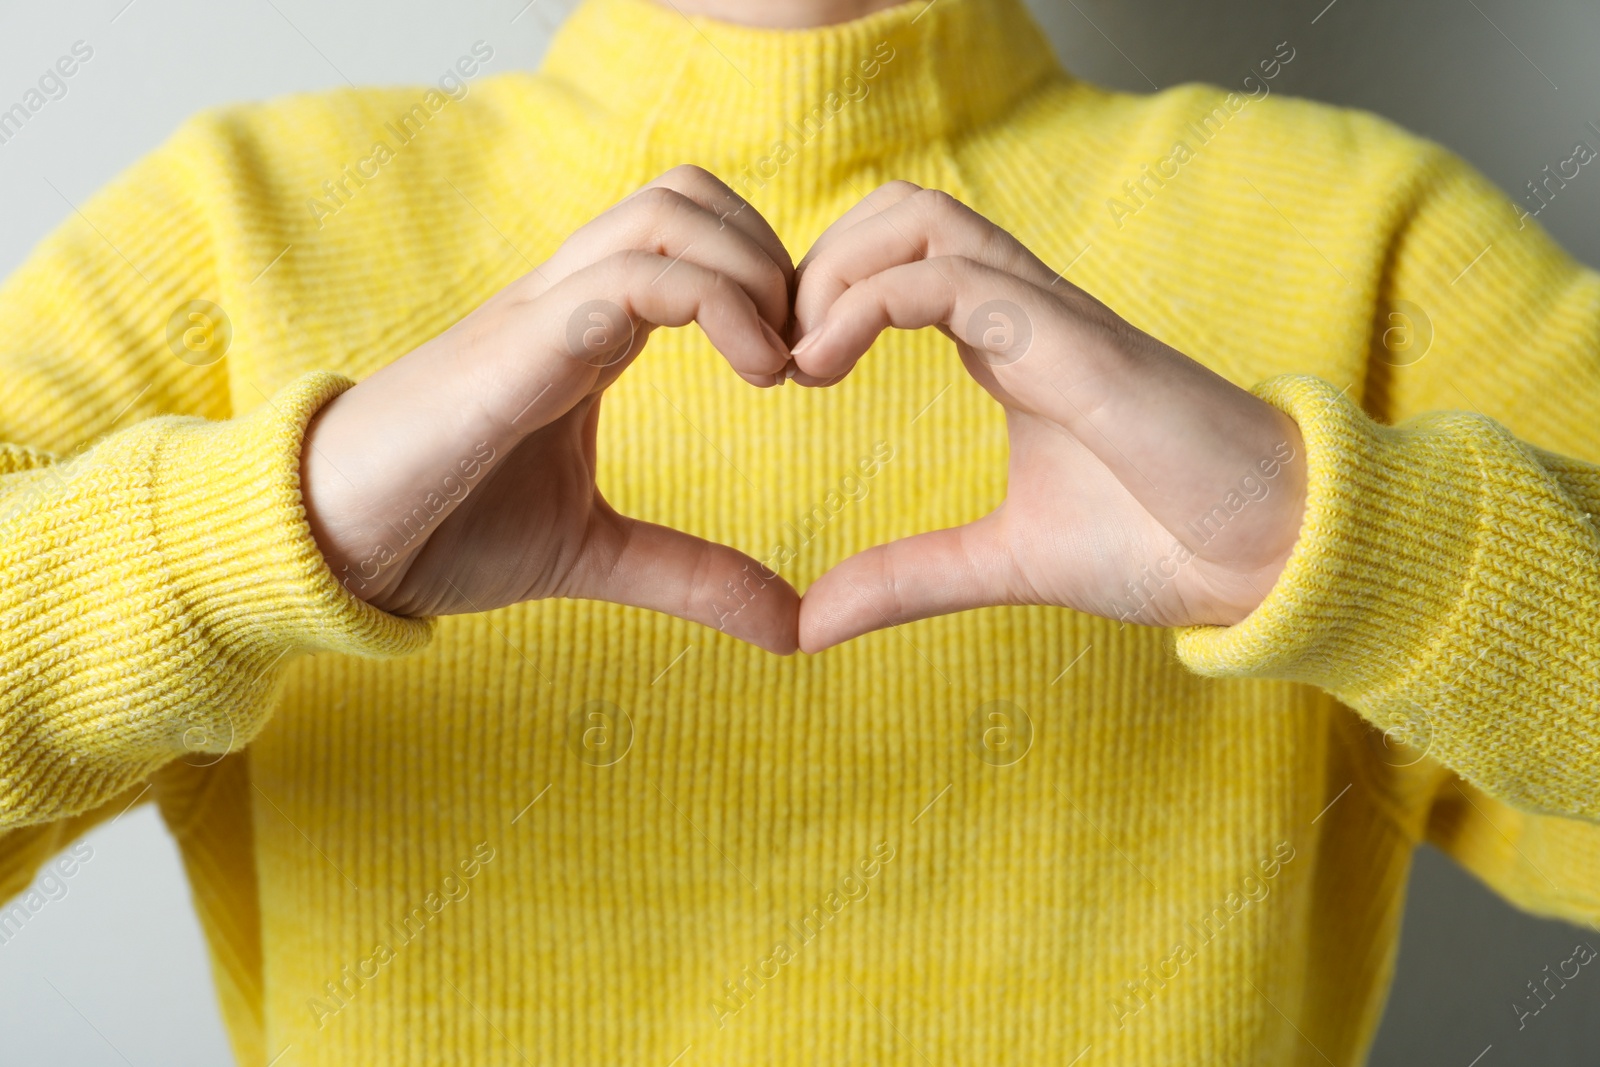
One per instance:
(1062, 356)
(576, 337)
(1168, 428)
(674, 225)
(731, 209)
(919, 577)
(884, 196)
(646, 565)
(914, 225)
(990, 310)
(724, 310)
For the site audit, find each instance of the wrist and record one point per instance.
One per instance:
(320, 485)
(1275, 529)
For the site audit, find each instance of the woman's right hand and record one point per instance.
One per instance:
(461, 477)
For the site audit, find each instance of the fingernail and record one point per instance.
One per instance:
(805, 343)
(773, 339)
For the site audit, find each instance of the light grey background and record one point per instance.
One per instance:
(115, 972)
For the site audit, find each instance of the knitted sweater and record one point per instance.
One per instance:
(573, 832)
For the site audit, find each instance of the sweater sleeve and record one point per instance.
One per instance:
(1446, 581)
(154, 578)
(1541, 863)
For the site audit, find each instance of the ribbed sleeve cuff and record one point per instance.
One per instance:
(232, 534)
(1385, 546)
(1444, 585)
(149, 594)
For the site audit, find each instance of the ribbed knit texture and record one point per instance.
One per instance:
(1169, 849)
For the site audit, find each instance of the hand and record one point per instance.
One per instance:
(461, 477)
(1141, 485)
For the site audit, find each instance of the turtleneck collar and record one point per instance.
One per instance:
(717, 93)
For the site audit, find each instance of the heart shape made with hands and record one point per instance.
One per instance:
(1117, 442)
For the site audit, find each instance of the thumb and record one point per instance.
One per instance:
(917, 577)
(646, 565)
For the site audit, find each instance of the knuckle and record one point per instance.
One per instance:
(888, 585)
(898, 188)
(773, 278)
(659, 200)
(723, 287)
(689, 175)
(702, 575)
(937, 202)
(994, 245)
(628, 262)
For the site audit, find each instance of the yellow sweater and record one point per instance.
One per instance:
(569, 832)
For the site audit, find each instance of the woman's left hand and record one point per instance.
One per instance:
(1142, 486)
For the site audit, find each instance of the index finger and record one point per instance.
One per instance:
(917, 224)
(731, 209)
